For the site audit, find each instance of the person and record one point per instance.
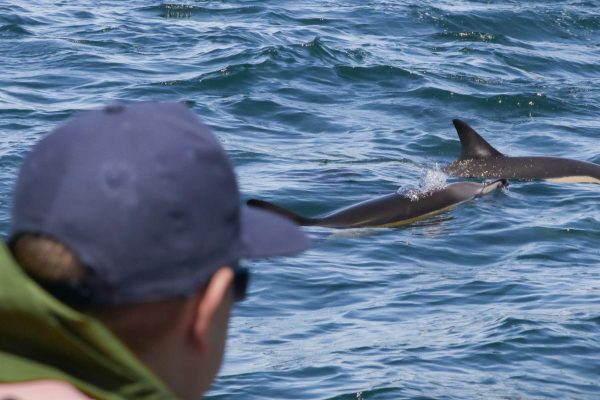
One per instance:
(123, 258)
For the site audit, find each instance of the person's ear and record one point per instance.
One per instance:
(211, 314)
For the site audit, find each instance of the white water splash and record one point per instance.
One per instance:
(431, 179)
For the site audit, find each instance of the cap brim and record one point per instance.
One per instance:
(265, 234)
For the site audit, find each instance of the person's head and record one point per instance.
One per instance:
(132, 214)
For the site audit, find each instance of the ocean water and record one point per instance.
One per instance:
(323, 104)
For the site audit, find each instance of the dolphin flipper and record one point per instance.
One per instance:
(284, 212)
(473, 145)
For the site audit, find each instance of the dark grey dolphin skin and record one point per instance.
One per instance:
(480, 160)
(390, 210)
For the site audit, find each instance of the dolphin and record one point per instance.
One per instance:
(390, 210)
(480, 160)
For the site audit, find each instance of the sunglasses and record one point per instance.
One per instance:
(80, 295)
(241, 276)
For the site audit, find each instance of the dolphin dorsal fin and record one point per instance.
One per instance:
(473, 145)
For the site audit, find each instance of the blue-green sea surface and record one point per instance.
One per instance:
(321, 104)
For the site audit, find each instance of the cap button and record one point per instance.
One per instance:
(113, 108)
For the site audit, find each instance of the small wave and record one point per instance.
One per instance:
(20, 16)
(224, 78)
(376, 73)
(357, 54)
(13, 30)
(589, 22)
(314, 21)
(529, 102)
(174, 10)
(470, 36)
(111, 44)
(459, 89)
(185, 10)
(318, 49)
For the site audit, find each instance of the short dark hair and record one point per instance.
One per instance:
(138, 325)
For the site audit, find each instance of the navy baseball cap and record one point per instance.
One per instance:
(147, 199)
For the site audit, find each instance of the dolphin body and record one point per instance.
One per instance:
(390, 210)
(480, 160)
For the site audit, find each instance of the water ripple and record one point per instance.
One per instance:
(323, 105)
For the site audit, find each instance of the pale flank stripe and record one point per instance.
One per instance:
(575, 179)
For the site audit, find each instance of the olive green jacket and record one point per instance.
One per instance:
(41, 339)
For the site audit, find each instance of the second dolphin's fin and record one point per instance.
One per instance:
(473, 145)
(284, 212)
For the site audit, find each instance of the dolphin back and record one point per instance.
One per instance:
(390, 210)
(479, 159)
